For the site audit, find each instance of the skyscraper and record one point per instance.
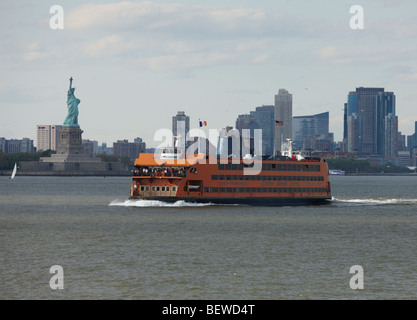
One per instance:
(262, 118)
(180, 129)
(385, 106)
(367, 109)
(391, 136)
(310, 127)
(283, 113)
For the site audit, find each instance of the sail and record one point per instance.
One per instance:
(14, 171)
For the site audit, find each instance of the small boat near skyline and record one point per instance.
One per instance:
(13, 172)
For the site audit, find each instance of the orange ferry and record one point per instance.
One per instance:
(202, 179)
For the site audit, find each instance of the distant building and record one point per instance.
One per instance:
(312, 133)
(16, 145)
(262, 118)
(283, 113)
(47, 137)
(90, 147)
(391, 136)
(124, 148)
(180, 129)
(366, 114)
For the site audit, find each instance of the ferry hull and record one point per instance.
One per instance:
(249, 201)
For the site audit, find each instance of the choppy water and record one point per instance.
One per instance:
(114, 248)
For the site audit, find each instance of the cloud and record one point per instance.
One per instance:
(176, 62)
(33, 52)
(189, 21)
(343, 55)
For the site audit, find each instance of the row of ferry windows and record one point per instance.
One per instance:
(156, 188)
(246, 190)
(273, 167)
(266, 178)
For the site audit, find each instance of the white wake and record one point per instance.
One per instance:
(373, 202)
(156, 203)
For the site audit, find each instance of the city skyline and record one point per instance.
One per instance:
(213, 61)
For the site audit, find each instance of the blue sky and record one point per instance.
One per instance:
(135, 64)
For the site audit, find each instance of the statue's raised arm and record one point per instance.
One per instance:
(70, 83)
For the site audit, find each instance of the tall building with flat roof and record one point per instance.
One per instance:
(262, 118)
(369, 107)
(180, 129)
(283, 114)
(309, 127)
(47, 137)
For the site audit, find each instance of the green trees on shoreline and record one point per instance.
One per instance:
(364, 166)
(7, 160)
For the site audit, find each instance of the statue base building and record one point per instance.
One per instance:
(70, 147)
(71, 160)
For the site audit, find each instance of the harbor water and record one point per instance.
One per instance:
(110, 247)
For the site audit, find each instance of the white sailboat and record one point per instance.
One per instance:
(14, 172)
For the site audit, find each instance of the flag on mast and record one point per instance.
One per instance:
(278, 123)
(203, 123)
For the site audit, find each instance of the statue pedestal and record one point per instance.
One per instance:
(70, 141)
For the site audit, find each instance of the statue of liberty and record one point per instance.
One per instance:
(72, 117)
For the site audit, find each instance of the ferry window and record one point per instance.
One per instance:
(147, 188)
(221, 166)
(228, 177)
(279, 190)
(258, 189)
(247, 189)
(173, 188)
(228, 166)
(215, 189)
(229, 190)
(278, 167)
(274, 166)
(167, 188)
(241, 177)
(269, 189)
(284, 189)
(142, 188)
(269, 177)
(275, 190)
(221, 177)
(214, 177)
(252, 189)
(221, 189)
(268, 167)
(241, 189)
(153, 188)
(235, 166)
(234, 177)
(293, 167)
(157, 188)
(246, 177)
(163, 189)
